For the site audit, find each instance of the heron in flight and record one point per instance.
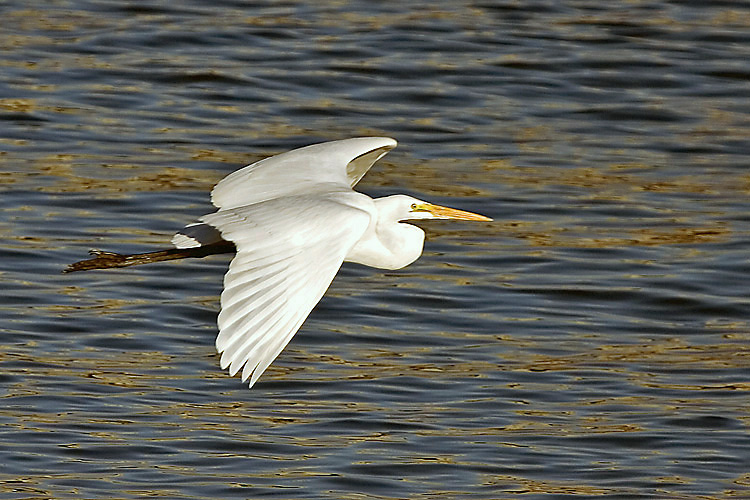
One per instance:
(292, 220)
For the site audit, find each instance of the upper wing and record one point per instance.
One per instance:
(288, 252)
(336, 164)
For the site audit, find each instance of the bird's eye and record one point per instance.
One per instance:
(413, 206)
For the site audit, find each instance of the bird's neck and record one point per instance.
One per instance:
(388, 245)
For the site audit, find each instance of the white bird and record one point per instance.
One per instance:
(292, 219)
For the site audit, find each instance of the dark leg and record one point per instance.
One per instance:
(105, 260)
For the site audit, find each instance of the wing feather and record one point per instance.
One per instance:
(288, 252)
(334, 164)
(272, 312)
(268, 347)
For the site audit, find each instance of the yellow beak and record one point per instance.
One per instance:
(451, 213)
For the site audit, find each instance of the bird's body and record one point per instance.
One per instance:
(293, 219)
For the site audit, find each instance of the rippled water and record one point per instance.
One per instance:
(593, 341)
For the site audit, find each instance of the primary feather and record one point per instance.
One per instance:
(281, 270)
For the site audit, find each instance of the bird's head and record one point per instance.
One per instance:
(409, 208)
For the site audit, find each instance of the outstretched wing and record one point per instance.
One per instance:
(312, 169)
(288, 252)
(337, 164)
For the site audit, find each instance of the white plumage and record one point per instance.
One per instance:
(294, 219)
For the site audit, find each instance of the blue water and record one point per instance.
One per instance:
(592, 342)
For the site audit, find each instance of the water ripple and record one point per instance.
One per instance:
(591, 342)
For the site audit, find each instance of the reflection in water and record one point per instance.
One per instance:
(593, 341)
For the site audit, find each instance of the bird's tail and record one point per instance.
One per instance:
(106, 260)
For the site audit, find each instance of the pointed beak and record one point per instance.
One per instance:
(451, 213)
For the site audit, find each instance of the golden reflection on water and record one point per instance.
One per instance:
(121, 178)
(556, 420)
(671, 353)
(542, 235)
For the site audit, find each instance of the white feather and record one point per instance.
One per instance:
(334, 164)
(281, 270)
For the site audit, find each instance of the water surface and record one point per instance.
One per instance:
(591, 342)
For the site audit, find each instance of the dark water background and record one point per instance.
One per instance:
(592, 342)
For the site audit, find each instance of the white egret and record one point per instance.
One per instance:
(292, 220)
